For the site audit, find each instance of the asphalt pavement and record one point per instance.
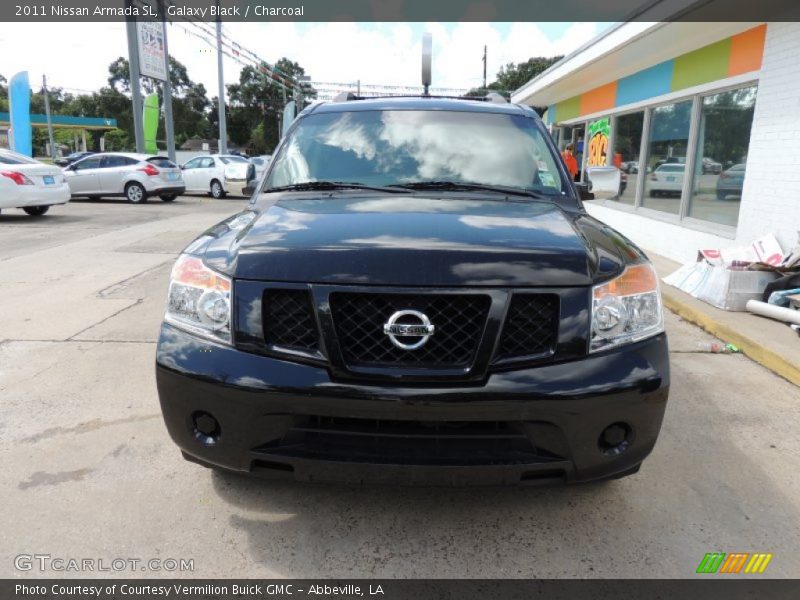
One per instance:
(89, 471)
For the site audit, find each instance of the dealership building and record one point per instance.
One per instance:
(702, 117)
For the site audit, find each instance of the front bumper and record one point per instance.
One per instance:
(561, 409)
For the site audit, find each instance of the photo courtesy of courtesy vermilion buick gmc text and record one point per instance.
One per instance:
(415, 294)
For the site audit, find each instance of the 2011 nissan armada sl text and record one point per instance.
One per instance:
(415, 294)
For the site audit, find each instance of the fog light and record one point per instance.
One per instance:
(615, 439)
(205, 428)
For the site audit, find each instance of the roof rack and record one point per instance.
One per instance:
(492, 97)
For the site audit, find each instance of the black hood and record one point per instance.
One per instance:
(411, 240)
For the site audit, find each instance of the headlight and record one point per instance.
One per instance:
(626, 309)
(199, 300)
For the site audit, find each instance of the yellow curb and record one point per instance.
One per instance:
(750, 347)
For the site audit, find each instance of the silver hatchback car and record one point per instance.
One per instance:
(133, 176)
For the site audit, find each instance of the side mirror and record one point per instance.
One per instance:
(583, 191)
(604, 182)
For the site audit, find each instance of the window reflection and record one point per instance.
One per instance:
(722, 142)
(666, 156)
(627, 144)
(402, 146)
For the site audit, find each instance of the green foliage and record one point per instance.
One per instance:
(256, 106)
(254, 113)
(512, 76)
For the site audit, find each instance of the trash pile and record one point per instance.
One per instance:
(730, 278)
(758, 278)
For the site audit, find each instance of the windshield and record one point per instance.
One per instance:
(12, 158)
(232, 159)
(400, 147)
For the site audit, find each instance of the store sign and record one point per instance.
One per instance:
(152, 58)
(599, 132)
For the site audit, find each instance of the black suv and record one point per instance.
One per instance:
(415, 294)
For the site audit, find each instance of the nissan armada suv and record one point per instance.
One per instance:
(415, 294)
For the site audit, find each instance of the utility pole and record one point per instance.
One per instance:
(136, 92)
(168, 123)
(484, 67)
(49, 122)
(223, 129)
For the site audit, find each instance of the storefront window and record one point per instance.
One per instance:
(627, 143)
(722, 142)
(666, 156)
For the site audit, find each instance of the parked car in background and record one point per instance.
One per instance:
(711, 166)
(630, 166)
(666, 179)
(261, 163)
(216, 174)
(731, 182)
(259, 166)
(67, 160)
(29, 184)
(136, 177)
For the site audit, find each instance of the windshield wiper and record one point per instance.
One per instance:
(333, 185)
(456, 186)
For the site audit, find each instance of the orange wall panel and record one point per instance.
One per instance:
(747, 49)
(599, 99)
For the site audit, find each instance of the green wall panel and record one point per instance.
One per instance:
(708, 63)
(569, 109)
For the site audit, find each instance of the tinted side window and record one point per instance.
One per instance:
(89, 163)
(193, 164)
(161, 161)
(116, 161)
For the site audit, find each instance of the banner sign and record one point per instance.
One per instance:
(152, 58)
(19, 100)
(150, 116)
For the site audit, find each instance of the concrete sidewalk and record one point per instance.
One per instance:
(771, 343)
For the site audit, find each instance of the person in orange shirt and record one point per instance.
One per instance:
(570, 161)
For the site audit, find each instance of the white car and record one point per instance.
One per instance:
(260, 163)
(666, 179)
(29, 184)
(216, 174)
(133, 176)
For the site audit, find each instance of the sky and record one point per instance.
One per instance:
(374, 53)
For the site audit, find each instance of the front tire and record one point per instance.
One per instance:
(135, 193)
(36, 211)
(217, 191)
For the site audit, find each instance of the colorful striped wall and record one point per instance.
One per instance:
(735, 55)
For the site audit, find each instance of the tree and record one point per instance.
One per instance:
(512, 76)
(3, 94)
(190, 103)
(257, 102)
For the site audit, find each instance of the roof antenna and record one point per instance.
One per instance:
(427, 50)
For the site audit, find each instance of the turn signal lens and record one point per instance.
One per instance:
(199, 299)
(626, 309)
